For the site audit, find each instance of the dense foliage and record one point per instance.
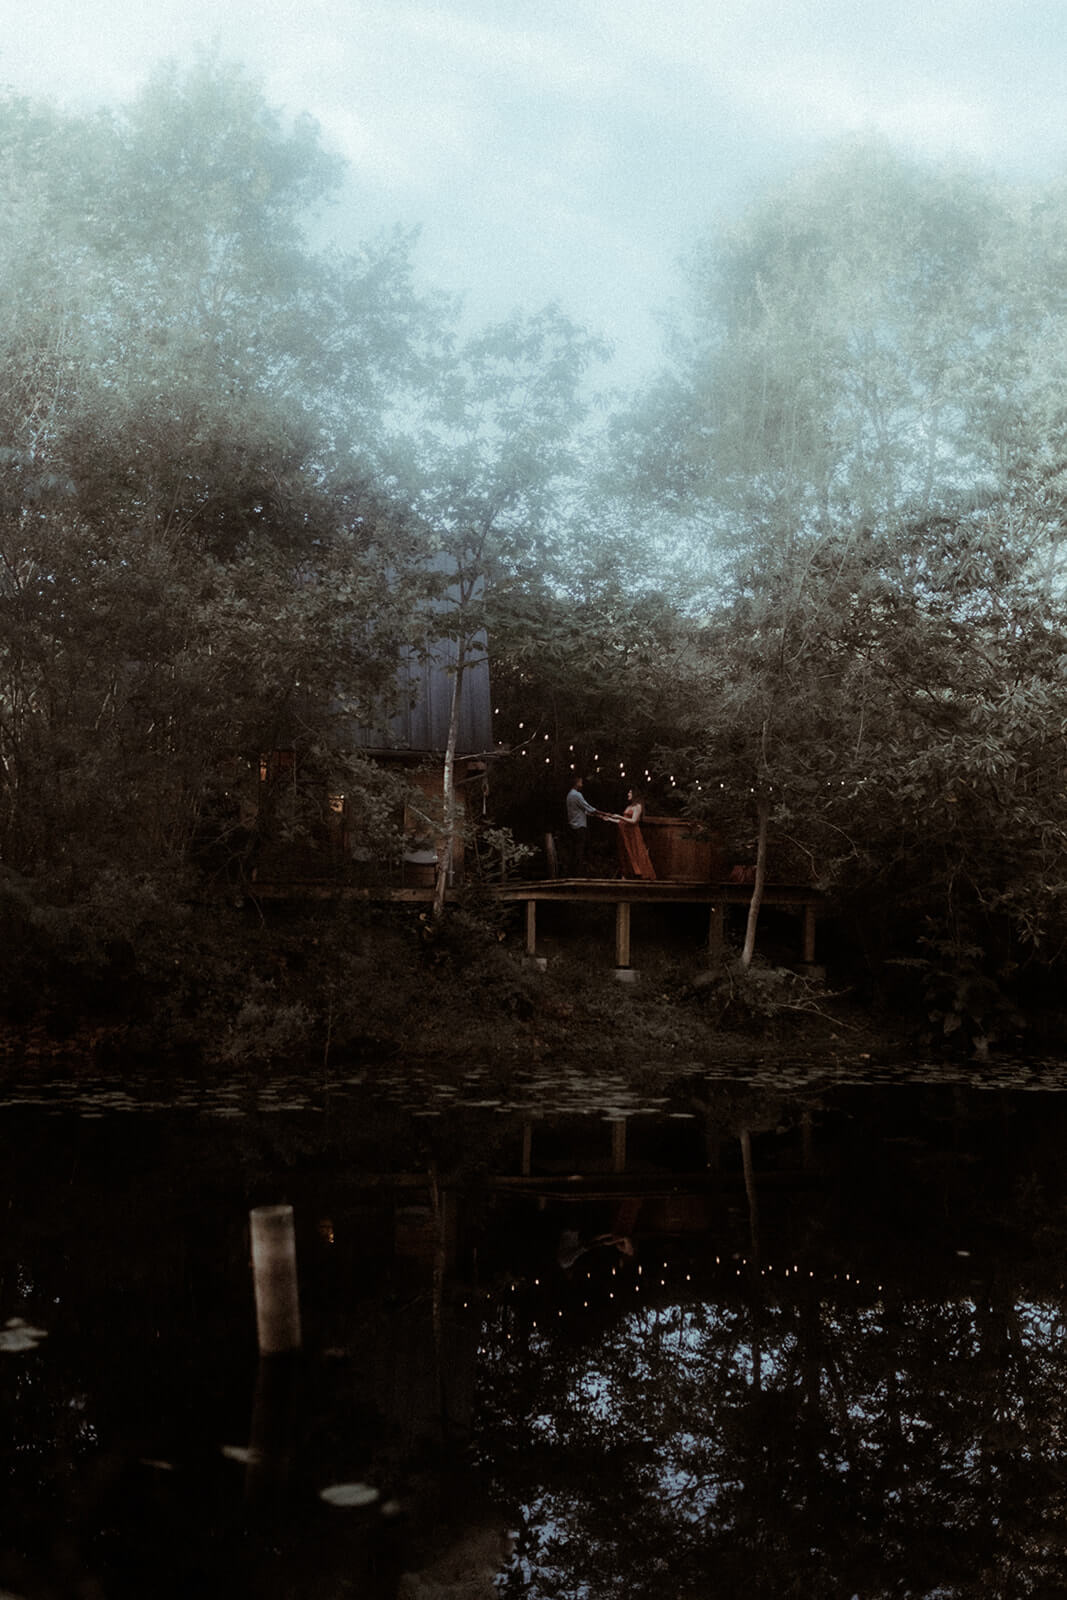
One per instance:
(809, 582)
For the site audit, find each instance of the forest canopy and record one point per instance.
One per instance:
(809, 580)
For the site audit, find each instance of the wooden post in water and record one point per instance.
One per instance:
(274, 1279)
(618, 1145)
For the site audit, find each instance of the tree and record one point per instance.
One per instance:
(196, 518)
(858, 349)
(494, 465)
(863, 429)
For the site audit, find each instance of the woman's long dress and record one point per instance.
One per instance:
(633, 855)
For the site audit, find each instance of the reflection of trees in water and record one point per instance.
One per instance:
(902, 1448)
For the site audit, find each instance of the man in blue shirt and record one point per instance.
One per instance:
(578, 812)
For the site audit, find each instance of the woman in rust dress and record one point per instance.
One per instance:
(633, 855)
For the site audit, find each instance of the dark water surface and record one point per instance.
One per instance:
(786, 1330)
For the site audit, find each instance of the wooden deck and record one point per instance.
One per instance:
(622, 893)
(625, 893)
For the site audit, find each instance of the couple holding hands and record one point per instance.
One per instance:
(633, 855)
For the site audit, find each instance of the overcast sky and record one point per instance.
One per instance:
(571, 151)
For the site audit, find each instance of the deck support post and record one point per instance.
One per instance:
(531, 927)
(715, 932)
(622, 934)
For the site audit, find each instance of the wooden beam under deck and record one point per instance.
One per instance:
(622, 893)
(610, 891)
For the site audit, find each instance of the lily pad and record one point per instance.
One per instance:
(349, 1494)
(16, 1336)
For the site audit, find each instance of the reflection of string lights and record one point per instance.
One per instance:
(737, 1266)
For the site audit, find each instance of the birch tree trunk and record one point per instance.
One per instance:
(446, 843)
(757, 888)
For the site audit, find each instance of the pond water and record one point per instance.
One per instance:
(783, 1329)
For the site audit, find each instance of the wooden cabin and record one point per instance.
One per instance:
(410, 737)
(414, 738)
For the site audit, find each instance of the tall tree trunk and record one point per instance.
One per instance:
(757, 888)
(446, 843)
